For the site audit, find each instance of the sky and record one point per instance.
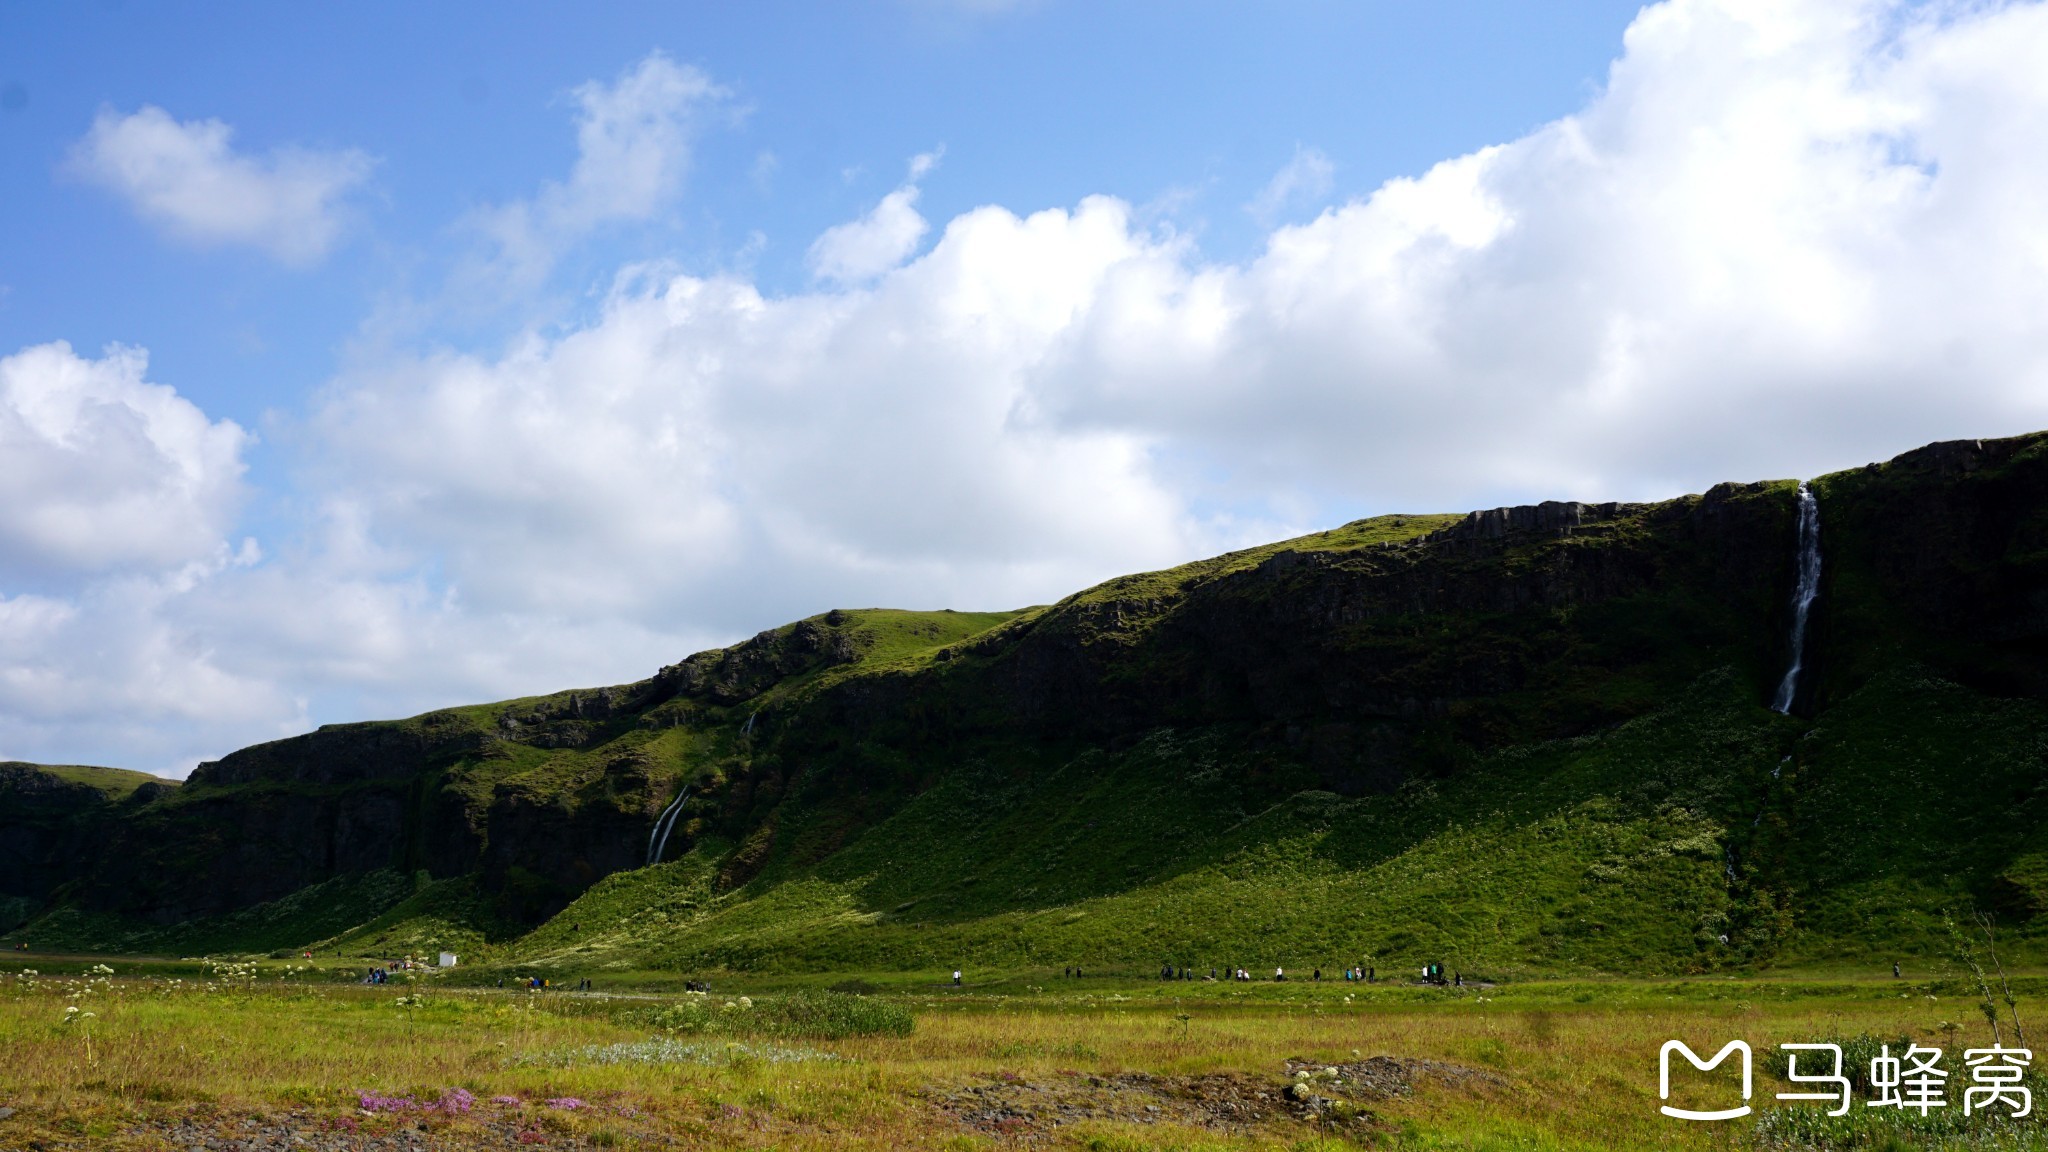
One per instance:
(362, 360)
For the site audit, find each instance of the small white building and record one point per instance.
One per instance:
(447, 959)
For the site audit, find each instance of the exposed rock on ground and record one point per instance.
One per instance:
(1311, 1092)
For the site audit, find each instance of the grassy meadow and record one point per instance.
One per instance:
(277, 1054)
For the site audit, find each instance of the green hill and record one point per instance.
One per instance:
(1530, 740)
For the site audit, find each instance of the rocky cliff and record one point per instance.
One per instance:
(1390, 655)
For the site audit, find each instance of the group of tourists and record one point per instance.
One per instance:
(542, 984)
(1434, 974)
(1358, 974)
(1365, 974)
(382, 975)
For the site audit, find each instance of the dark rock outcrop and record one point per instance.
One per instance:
(729, 676)
(45, 824)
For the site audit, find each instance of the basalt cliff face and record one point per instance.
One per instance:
(1387, 660)
(52, 821)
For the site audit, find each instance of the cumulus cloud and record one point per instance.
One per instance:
(187, 178)
(704, 449)
(1303, 181)
(119, 497)
(865, 248)
(119, 672)
(104, 470)
(1785, 238)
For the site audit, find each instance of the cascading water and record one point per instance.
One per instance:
(657, 837)
(1802, 595)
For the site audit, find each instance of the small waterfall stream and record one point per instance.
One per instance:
(1803, 595)
(657, 837)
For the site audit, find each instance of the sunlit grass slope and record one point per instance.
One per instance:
(113, 783)
(1682, 841)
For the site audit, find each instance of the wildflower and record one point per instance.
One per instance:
(508, 1101)
(456, 1101)
(566, 1103)
(664, 1050)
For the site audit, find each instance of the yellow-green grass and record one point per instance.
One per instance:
(1570, 1065)
(114, 783)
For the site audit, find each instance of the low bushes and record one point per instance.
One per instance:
(813, 1015)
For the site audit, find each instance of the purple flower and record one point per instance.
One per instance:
(567, 1103)
(375, 1102)
(456, 1101)
(510, 1101)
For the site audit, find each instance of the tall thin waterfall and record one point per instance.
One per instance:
(1802, 595)
(657, 837)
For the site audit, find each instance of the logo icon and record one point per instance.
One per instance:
(1664, 1078)
(1841, 1093)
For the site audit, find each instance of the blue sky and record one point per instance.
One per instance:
(1189, 107)
(363, 360)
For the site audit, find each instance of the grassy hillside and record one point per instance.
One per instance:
(289, 924)
(1632, 851)
(1523, 741)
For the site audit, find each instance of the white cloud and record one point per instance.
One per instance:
(704, 450)
(1755, 254)
(865, 248)
(119, 672)
(104, 470)
(922, 164)
(633, 140)
(1304, 181)
(119, 495)
(633, 143)
(187, 178)
(1786, 238)
(1751, 256)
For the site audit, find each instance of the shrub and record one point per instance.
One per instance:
(835, 1015)
(813, 1015)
